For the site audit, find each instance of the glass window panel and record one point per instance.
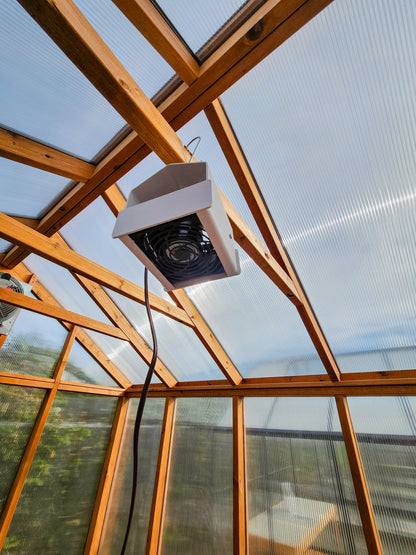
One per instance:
(64, 288)
(179, 347)
(55, 507)
(197, 22)
(141, 60)
(199, 506)
(27, 191)
(122, 354)
(81, 367)
(300, 492)
(43, 94)
(119, 505)
(18, 410)
(327, 124)
(33, 345)
(257, 326)
(386, 433)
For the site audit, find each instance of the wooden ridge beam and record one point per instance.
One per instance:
(107, 473)
(27, 151)
(14, 231)
(23, 301)
(154, 27)
(240, 503)
(29, 453)
(22, 273)
(157, 511)
(116, 202)
(359, 480)
(245, 179)
(264, 31)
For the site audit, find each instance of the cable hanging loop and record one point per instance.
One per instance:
(190, 142)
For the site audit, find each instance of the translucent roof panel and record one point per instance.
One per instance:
(258, 327)
(81, 367)
(140, 59)
(66, 290)
(90, 235)
(198, 21)
(327, 124)
(27, 191)
(43, 94)
(179, 347)
(122, 354)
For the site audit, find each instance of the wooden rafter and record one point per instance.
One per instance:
(359, 480)
(245, 179)
(153, 26)
(240, 506)
(107, 473)
(29, 453)
(22, 273)
(27, 151)
(23, 301)
(14, 231)
(157, 511)
(116, 202)
(269, 27)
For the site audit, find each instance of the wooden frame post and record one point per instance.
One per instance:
(240, 514)
(365, 507)
(107, 474)
(33, 442)
(157, 512)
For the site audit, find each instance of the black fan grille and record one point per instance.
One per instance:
(181, 249)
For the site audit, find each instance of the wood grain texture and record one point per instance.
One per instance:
(152, 25)
(362, 494)
(240, 505)
(35, 154)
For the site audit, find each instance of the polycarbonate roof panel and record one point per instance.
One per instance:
(256, 324)
(327, 123)
(66, 290)
(27, 191)
(82, 367)
(179, 348)
(90, 234)
(147, 67)
(43, 94)
(198, 21)
(122, 354)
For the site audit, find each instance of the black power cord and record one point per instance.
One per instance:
(140, 410)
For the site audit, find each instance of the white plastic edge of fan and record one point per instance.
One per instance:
(6, 326)
(201, 199)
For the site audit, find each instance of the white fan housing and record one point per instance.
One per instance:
(8, 312)
(176, 224)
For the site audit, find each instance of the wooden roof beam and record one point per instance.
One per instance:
(264, 31)
(247, 183)
(154, 27)
(17, 233)
(27, 151)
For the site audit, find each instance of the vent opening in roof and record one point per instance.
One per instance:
(180, 249)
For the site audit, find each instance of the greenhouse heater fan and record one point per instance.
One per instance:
(176, 224)
(8, 312)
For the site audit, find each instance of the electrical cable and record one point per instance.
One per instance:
(140, 410)
(190, 142)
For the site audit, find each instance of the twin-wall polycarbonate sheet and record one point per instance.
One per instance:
(300, 491)
(82, 367)
(43, 94)
(56, 504)
(27, 191)
(198, 21)
(327, 123)
(386, 433)
(139, 58)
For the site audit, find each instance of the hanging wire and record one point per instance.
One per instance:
(190, 142)
(140, 410)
